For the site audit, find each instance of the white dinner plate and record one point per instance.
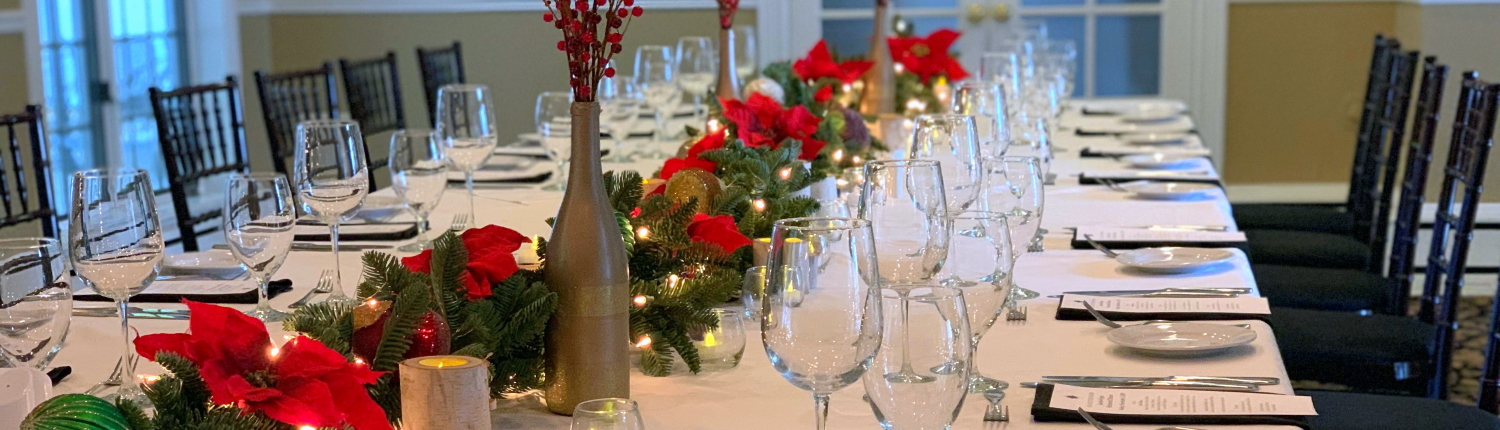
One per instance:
(1152, 190)
(1173, 259)
(1126, 107)
(1157, 160)
(1150, 114)
(1181, 338)
(1155, 138)
(217, 263)
(381, 208)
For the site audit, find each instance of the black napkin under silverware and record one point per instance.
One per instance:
(1079, 243)
(273, 289)
(1042, 411)
(386, 236)
(1068, 314)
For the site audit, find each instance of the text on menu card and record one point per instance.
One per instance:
(1224, 305)
(1177, 402)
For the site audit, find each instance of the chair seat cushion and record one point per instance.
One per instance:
(1308, 249)
(1352, 411)
(1323, 289)
(1373, 353)
(1322, 218)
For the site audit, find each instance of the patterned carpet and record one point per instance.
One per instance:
(1468, 358)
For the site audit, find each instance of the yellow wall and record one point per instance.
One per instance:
(1463, 37)
(255, 53)
(1296, 78)
(13, 86)
(10, 4)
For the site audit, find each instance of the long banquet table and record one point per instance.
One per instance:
(755, 396)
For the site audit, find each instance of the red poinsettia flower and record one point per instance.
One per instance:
(928, 57)
(762, 122)
(819, 64)
(296, 384)
(824, 94)
(718, 230)
(491, 258)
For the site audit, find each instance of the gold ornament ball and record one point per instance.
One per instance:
(690, 183)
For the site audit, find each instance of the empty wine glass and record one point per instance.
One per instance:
(330, 176)
(821, 322)
(1064, 54)
(259, 216)
(986, 103)
(554, 123)
(983, 238)
(903, 200)
(697, 69)
(1004, 68)
(656, 77)
(466, 129)
(607, 414)
(1014, 187)
(746, 60)
(36, 303)
(419, 173)
(939, 340)
(116, 246)
(620, 104)
(951, 140)
(1032, 138)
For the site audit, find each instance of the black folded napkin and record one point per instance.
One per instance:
(1043, 412)
(540, 178)
(390, 236)
(1068, 314)
(1079, 243)
(249, 297)
(1087, 180)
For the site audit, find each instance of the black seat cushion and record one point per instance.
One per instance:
(1352, 411)
(1301, 248)
(1323, 289)
(1372, 353)
(1322, 218)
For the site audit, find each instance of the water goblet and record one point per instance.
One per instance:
(984, 278)
(951, 140)
(419, 173)
(656, 77)
(466, 130)
(259, 216)
(554, 125)
(938, 339)
(330, 177)
(36, 304)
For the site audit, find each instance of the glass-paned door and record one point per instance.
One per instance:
(847, 24)
(99, 58)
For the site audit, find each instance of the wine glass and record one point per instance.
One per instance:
(621, 105)
(1064, 54)
(1004, 68)
(1014, 188)
(697, 69)
(1032, 138)
(554, 123)
(259, 216)
(983, 238)
(984, 101)
(330, 177)
(951, 139)
(466, 129)
(419, 173)
(36, 303)
(607, 414)
(746, 60)
(821, 324)
(116, 246)
(656, 77)
(904, 202)
(941, 342)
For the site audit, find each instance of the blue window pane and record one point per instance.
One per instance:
(1127, 1)
(1051, 2)
(870, 4)
(847, 37)
(1072, 28)
(1127, 55)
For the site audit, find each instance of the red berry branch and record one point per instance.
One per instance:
(582, 23)
(727, 8)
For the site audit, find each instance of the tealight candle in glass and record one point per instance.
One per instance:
(721, 348)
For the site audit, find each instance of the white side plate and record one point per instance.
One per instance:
(217, 263)
(1151, 190)
(1155, 138)
(1173, 259)
(1181, 338)
(1157, 160)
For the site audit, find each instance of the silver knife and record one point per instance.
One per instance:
(323, 247)
(1250, 380)
(1187, 227)
(142, 315)
(1163, 290)
(1166, 385)
(111, 310)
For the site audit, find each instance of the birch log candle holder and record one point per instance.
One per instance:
(445, 392)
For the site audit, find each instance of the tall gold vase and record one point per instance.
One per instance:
(879, 97)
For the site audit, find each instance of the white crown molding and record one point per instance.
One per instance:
(12, 21)
(341, 7)
(1416, 2)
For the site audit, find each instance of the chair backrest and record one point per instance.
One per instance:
(1453, 226)
(1381, 146)
(374, 96)
(289, 98)
(202, 134)
(1402, 262)
(25, 187)
(1376, 86)
(440, 66)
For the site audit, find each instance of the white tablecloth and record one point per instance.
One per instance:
(755, 396)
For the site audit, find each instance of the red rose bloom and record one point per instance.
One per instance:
(928, 57)
(819, 64)
(490, 258)
(232, 349)
(718, 230)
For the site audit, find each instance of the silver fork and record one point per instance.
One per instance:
(1099, 246)
(1016, 313)
(325, 285)
(114, 377)
(995, 411)
(460, 222)
(1113, 186)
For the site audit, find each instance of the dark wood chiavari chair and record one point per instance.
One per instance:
(374, 95)
(202, 134)
(1394, 354)
(289, 98)
(25, 173)
(1329, 218)
(1359, 290)
(440, 66)
(1369, 207)
(1473, 126)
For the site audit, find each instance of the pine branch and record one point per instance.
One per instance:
(406, 314)
(330, 323)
